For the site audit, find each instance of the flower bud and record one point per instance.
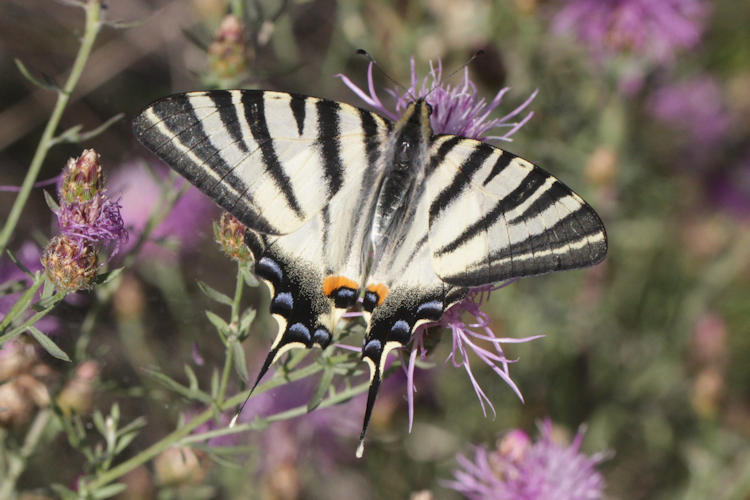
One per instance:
(82, 178)
(229, 233)
(601, 167)
(18, 399)
(227, 55)
(178, 465)
(70, 263)
(282, 483)
(16, 356)
(77, 395)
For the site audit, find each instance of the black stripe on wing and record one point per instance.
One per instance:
(514, 199)
(461, 180)
(254, 106)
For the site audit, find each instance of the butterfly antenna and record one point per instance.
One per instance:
(363, 52)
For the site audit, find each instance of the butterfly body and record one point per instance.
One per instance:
(341, 203)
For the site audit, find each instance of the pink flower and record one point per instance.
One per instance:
(521, 470)
(476, 337)
(655, 30)
(456, 110)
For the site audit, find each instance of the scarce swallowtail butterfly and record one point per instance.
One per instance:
(342, 204)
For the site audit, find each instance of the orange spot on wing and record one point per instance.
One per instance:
(332, 283)
(380, 290)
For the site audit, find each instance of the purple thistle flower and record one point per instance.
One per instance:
(86, 212)
(97, 221)
(695, 107)
(520, 470)
(467, 337)
(656, 29)
(456, 110)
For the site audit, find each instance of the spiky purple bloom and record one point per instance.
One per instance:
(654, 29)
(97, 221)
(456, 110)
(694, 107)
(520, 470)
(86, 212)
(476, 337)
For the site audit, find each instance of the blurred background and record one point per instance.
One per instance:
(642, 109)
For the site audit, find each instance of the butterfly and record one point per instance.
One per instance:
(343, 206)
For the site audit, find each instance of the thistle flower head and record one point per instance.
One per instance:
(653, 29)
(476, 337)
(96, 220)
(457, 110)
(71, 263)
(85, 211)
(519, 469)
(82, 178)
(227, 55)
(229, 233)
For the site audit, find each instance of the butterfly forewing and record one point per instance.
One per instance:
(272, 159)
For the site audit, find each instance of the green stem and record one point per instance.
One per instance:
(93, 25)
(113, 474)
(235, 317)
(17, 464)
(298, 411)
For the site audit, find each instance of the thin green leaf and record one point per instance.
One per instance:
(34, 80)
(136, 424)
(240, 364)
(322, 389)
(47, 290)
(177, 387)
(64, 492)
(99, 423)
(214, 294)
(78, 136)
(249, 277)
(245, 321)
(108, 277)
(192, 379)
(109, 491)
(50, 201)
(124, 441)
(214, 383)
(48, 344)
(19, 264)
(220, 324)
(123, 25)
(22, 303)
(12, 286)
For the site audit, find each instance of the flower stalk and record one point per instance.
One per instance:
(94, 23)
